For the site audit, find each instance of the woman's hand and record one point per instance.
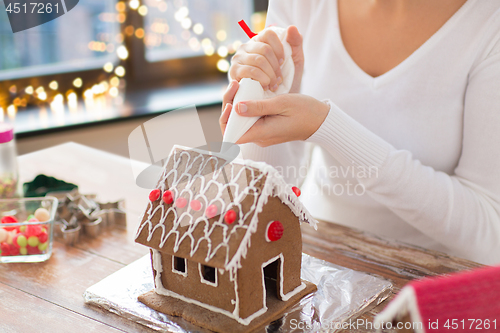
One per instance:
(287, 117)
(261, 60)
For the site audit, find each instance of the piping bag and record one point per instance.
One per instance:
(252, 90)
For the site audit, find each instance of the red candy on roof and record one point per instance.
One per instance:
(230, 216)
(195, 205)
(211, 211)
(168, 197)
(181, 202)
(296, 190)
(154, 195)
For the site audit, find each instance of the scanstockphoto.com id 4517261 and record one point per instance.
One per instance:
(355, 325)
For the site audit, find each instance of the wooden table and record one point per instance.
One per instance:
(47, 297)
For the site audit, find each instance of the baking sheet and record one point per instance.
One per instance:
(342, 294)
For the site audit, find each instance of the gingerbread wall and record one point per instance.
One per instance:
(191, 286)
(249, 277)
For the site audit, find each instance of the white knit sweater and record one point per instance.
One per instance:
(428, 131)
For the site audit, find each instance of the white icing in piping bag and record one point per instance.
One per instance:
(252, 90)
(237, 125)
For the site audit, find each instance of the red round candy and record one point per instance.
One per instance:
(181, 202)
(275, 231)
(154, 194)
(33, 250)
(195, 205)
(9, 219)
(5, 249)
(13, 251)
(43, 237)
(211, 211)
(296, 190)
(14, 241)
(168, 197)
(33, 230)
(230, 216)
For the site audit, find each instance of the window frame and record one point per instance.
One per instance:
(177, 271)
(202, 277)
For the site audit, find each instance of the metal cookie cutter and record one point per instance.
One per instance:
(68, 232)
(85, 215)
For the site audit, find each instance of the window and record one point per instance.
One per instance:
(188, 29)
(208, 275)
(103, 51)
(185, 39)
(179, 265)
(83, 38)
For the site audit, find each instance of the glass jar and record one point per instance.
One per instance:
(9, 175)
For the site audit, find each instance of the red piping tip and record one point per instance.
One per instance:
(247, 30)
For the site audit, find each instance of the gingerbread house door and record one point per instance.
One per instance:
(272, 277)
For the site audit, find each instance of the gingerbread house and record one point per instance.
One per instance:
(224, 238)
(461, 302)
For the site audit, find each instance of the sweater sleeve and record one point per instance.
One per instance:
(461, 210)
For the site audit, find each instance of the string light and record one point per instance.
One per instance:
(143, 10)
(78, 82)
(186, 23)
(222, 51)
(115, 82)
(113, 91)
(72, 101)
(59, 98)
(221, 35)
(11, 111)
(198, 28)
(129, 30)
(29, 90)
(122, 52)
(42, 96)
(53, 85)
(139, 33)
(134, 4)
(120, 6)
(120, 71)
(181, 14)
(223, 65)
(13, 89)
(39, 90)
(108, 67)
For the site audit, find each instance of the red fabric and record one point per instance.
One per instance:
(466, 301)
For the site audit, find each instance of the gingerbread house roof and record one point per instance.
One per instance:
(202, 180)
(455, 299)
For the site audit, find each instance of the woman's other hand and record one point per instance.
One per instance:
(261, 59)
(284, 118)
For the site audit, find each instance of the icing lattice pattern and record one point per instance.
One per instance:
(240, 186)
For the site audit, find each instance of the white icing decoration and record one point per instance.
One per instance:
(273, 186)
(202, 279)
(404, 303)
(179, 272)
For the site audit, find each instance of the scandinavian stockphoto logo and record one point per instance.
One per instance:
(26, 14)
(152, 142)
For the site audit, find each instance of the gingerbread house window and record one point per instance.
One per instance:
(179, 265)
(208, 275)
